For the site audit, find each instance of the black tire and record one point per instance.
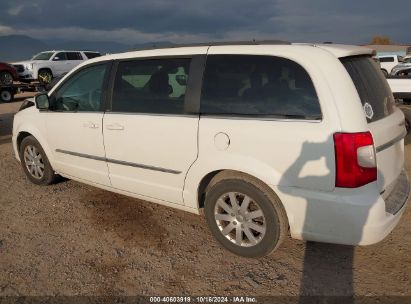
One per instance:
(45, 76)
(275, 219)
(49, 176)
(385, 73)
(6, 78)
(6, 95)
(407, 126)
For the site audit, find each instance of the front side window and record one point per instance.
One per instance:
(43, 56)
(81, 92)
(258, 86)
(151, 86)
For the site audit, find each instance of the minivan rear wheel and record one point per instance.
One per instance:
(35, 163)
(244, 218)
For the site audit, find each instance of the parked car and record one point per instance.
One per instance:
(400, 85)
(46, 65)
(388, 62)
(266, 138)
(404, 65)
(8, 74)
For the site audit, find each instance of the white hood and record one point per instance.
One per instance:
(27, 62)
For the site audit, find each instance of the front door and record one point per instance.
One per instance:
(150, 135)
(74, 126)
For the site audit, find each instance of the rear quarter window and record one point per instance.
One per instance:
(371, 85)
(255, 85)
(91, 55)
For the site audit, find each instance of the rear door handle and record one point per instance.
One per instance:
(115, 126)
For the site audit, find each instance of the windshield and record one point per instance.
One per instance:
(43, 56)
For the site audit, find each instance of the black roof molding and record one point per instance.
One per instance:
(217, 43)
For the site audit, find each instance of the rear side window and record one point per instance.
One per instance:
(74, 56)
(386, 59)
(253, 85)
(91, 55)
(60, 56)
(151, 86)
(372, 87)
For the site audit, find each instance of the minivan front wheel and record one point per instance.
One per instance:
(244, 218)
(35, 163)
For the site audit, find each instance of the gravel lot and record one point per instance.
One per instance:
(73, 239)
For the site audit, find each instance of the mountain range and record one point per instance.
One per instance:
(21, 47)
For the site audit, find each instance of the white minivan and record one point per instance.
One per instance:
(265, 139)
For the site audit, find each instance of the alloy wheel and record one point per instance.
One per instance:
(240, 219)
(34, 161)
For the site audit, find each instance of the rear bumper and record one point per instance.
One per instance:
(351, 217)
(394, 203)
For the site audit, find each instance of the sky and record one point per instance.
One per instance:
(184, 21)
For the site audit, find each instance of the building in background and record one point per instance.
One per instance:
(390, 49)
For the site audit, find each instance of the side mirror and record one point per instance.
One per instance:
(42, 101)
(56, 58)
(181, 79)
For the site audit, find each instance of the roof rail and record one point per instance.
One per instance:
(216, 43)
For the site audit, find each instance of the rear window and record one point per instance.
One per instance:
(386, 59)
(372, 87)
(91, 55)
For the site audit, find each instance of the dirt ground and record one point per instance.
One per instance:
(73, 239)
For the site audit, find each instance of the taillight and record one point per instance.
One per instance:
(354, 159)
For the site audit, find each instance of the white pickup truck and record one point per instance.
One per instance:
(47, 65)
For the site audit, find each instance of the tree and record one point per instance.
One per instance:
(385, 40)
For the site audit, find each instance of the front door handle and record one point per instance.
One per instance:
(115, 126)
(90, 125)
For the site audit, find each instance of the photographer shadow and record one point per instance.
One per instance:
(327, 268)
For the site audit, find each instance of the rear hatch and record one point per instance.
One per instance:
(385, 120)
